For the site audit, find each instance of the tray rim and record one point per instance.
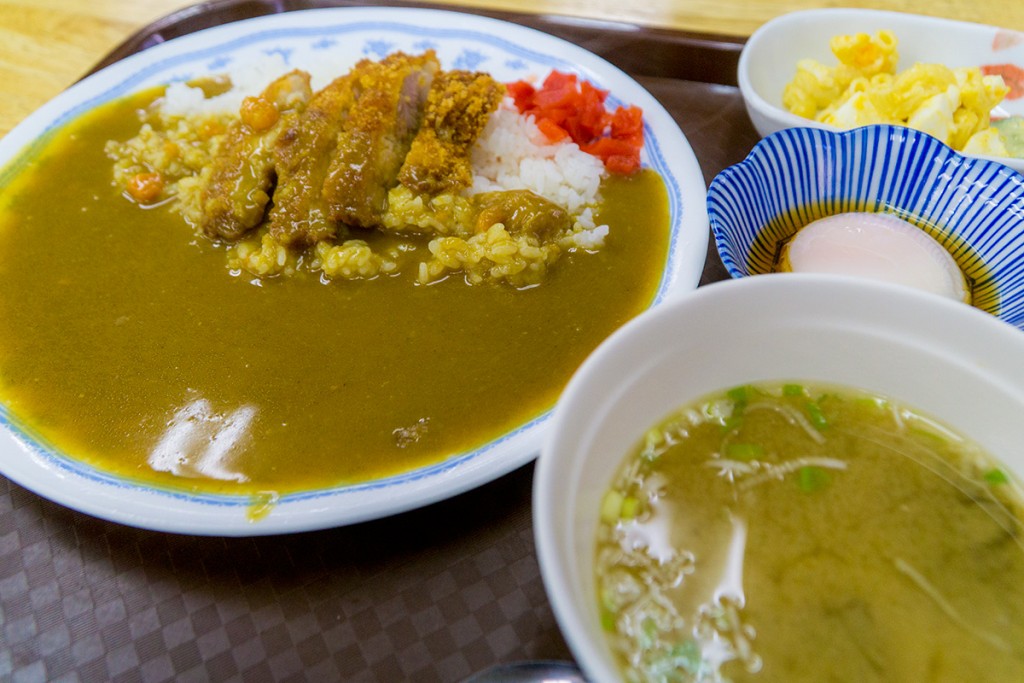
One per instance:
(725, 48)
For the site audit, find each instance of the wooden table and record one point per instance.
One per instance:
(45, 45)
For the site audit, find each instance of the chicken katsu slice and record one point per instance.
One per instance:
(376, 137)
(458, 107)
(302, 156)
(234, 199)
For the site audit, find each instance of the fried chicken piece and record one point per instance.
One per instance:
(235, 197)
(302, 157)
(376, 137)
(458, 106)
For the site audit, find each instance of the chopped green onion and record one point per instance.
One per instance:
(611, 507)
(744, 451)
(818, 418)
(739, 394)
(653, 442)
(654, 437)
(648, 632)
(871, 402)
(996, 476)
(630, 508)
(811, 478)
(792, 390)
(607, 620)
(687, 655)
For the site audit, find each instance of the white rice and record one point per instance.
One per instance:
(182, 99)
(513, 154)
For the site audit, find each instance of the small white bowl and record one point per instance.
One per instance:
(768, 60)
(947, 360)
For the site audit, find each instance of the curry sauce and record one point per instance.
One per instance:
(126, 343)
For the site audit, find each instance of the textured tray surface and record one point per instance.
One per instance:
(430, 595)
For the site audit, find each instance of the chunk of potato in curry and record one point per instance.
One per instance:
(119, 328)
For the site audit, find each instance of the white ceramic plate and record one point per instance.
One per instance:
(298, 39)
(768, 61)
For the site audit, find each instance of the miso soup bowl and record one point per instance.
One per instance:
(972, 207)
(950, 361)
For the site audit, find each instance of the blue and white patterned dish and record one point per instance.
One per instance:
(306, 39)
(973, 207)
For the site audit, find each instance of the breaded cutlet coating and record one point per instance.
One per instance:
(375, 138)
(301, 158)
(458, 107)
(238, 184)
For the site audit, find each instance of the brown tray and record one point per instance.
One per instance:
(429, 595)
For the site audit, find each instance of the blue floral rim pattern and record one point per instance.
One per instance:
(458, 48)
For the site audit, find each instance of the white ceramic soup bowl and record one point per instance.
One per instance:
(768, 60)
(950, 361)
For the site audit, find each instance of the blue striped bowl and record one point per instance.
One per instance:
(974, 207)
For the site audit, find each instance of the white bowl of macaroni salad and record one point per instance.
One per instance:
(837, 69)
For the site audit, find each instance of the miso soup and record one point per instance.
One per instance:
(796, 533)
